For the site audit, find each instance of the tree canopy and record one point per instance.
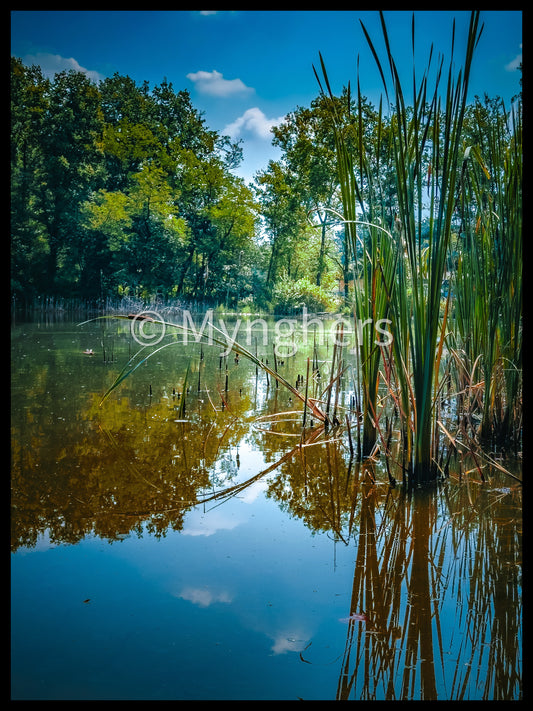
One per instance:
(119, 188)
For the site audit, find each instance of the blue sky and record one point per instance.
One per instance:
(245, 70)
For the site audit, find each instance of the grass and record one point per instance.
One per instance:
(438, 180)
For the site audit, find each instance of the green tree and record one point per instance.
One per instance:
(220, 214)
(72, 167)
(308, 145)
(142, 230)
(233, 217)
(119, 185)
(307, 139)
(284, 215)
(29, 246)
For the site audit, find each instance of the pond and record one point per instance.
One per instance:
(183, 541)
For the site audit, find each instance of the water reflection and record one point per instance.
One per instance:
(439, 600)
(435, 605)
(435, 610)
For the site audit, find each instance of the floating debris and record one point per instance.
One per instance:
(355, 616)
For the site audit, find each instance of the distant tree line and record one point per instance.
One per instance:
(122, 189)
(118, 188)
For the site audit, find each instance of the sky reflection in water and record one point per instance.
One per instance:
(311, 582)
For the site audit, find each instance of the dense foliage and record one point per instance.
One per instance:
(121, 189)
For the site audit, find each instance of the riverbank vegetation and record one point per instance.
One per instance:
(447, 272)
(409, 212)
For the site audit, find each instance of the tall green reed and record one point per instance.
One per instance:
(371, 246)
(426, 152)
(489, 275)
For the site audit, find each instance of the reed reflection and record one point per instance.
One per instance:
(435, 610)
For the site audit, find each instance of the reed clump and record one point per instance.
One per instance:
(432, 211)
(442, 259)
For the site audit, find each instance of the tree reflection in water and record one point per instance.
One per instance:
(435, 609)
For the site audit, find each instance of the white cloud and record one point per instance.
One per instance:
(515, 63)
(214, 84)
(51, 64)
(203, 597)
(252, 121)
(293, 641)
(252, 492)
(199, 524)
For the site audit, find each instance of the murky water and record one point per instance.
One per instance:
(208, 552)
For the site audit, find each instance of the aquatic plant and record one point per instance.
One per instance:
(221, 339)
(405, 272)
(488, 284)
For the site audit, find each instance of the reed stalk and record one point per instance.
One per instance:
(403, 274)
(489, 274)
(371, 245)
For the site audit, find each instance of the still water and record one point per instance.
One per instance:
(182, 541)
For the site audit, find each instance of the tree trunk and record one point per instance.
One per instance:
(185, 268)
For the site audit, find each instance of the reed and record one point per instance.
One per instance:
(403, 269)
(431, 136)
(221, 339)
(489, 275)
(371, 245)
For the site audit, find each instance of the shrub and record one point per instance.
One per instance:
(289, 296)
